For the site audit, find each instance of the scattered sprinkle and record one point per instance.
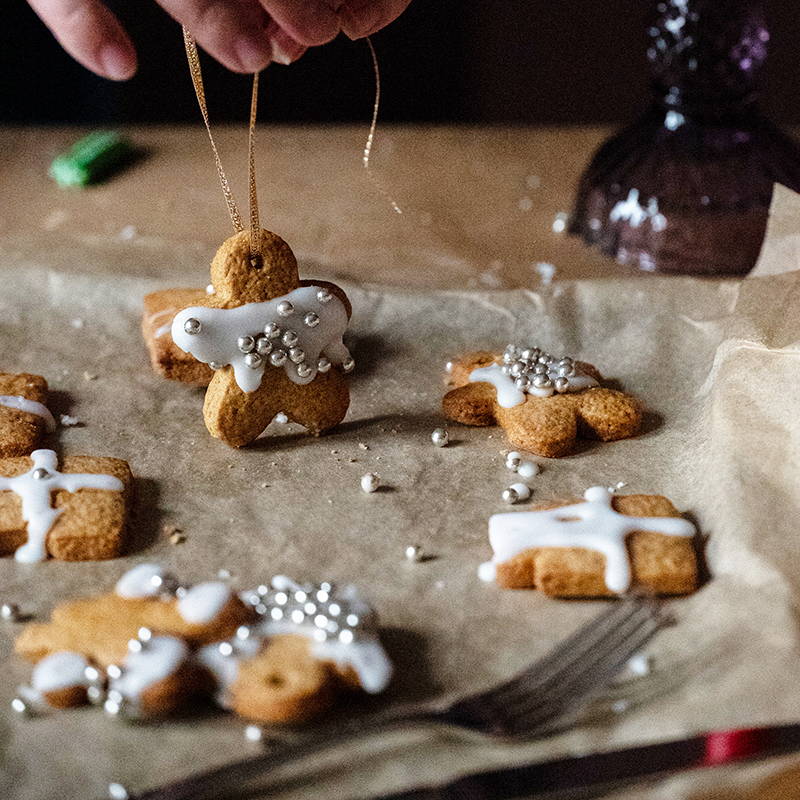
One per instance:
(281, 418)
(415, 553)
(363, 446)
(527, 469)
(546, 271)
(89, 376)
(177, 538)
(560, 222)
(253, 733)
(439, 584)
(224, 574)
(69, 422)
(265, 486)
(127, 233)
(116, 791)
(210, 289)
(76, 323)
(370, 482)
(640, 665)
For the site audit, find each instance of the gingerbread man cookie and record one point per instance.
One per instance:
(543, 403)
(280, 653)
(602, 546)
(24, 417)
(274, 342)
(77, 513)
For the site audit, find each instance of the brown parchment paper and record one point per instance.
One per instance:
(717, 364)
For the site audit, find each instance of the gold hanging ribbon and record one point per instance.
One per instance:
(365, 159)
(197, 80)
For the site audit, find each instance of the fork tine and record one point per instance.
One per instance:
(573, 649)
(531, 684)
(550, 708)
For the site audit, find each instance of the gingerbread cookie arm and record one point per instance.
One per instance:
(472, 404)
(608, 415)
(321, 404)
(335, 290)
(459, 369)
(24, 418)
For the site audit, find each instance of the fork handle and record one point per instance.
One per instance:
(200, 785)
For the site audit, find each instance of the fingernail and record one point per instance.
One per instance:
(118, 63)
(285, 50)
(253, 54)
(362, 23)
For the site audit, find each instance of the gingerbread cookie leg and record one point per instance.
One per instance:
(24, 417)
(470, 405)
(546, 429)
(608, 415)
(321, 405)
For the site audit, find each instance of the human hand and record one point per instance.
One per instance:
(244, 35)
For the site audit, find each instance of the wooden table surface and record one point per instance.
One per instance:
(479, 203)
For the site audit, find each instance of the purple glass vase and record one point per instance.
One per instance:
(686, 188)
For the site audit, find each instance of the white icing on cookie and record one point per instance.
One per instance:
(510, 395)
(35, 489)
(61, 670)
(139, 581)
(593, 525)
(29, 407)
(203, 602)
(341, 626)
(167, 314)
(158, 659)
(314, 328)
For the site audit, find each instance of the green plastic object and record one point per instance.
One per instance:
(91, 159)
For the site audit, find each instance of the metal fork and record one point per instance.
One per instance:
(539, 701)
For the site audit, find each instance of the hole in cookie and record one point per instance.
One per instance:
(275, 680)
(256, 261)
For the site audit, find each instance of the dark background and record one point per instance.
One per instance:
(532, 61)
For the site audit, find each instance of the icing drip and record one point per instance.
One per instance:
(143, 580)
(161, 657)
(301, 331)
(165, 328)
(35, 488)
(531, 371)
(593, 525)
(203, 602)
(61, 670)
(29, 407)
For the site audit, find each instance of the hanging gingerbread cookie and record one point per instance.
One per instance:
(544, 404)
(274, 342)
(261, 339)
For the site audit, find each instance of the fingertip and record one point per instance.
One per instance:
(252, 54)
(117, 62)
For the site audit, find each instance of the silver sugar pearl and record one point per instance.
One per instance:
(440, 437)
(246, 343)
(114, 672)
(289, 338)
(39, 474)
(324, 296)
(285, 308)
(505, 369)
(513, 460)
(225, 649)
(253, 733)
(215, 365)
(349, 364)
(272, 330)
(540, 369)
(135, 646)
(346, 636)
(116, 791)
(510, 496)
(277, 358)
(298, 617)
(526, 354)
(370, 482)
(517, 369)
(263, 346)
(19, 706)
(565, 370)
(415, 553)
(93, 675)
(301, 596)
(297, 354)
(96, 695)
(303, 370)
(243, 632)
(10, 612)
(311, 319)
(541, 381)
(565, 362)
(192, 326)
(323, 364)
(561, 384)
(253, 360)
(509, 357)
(522, 383)
(144, 634)
(114, 703)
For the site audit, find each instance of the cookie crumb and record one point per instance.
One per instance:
(69, 422)
(89, 376)
(76, 323)
(363, 446)
(265, 486)
(177, 538)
